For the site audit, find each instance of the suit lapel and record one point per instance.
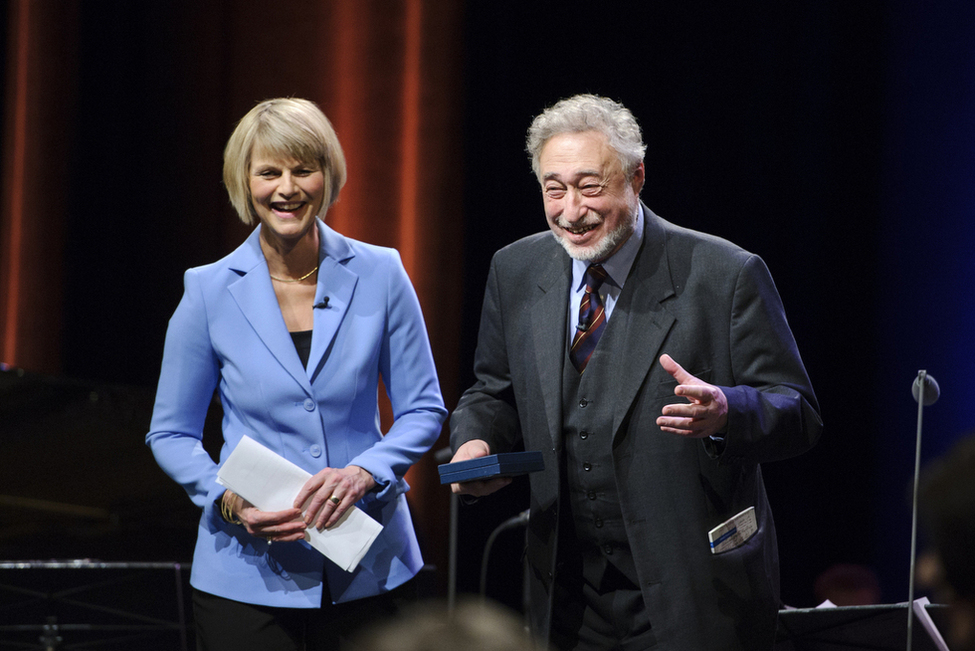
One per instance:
(255, 297)
(645, 322)
(336, 283)
(551, 306)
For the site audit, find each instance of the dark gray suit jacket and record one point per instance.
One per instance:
(714, 308)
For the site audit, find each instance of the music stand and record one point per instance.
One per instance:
(877, 628)
(92, 604)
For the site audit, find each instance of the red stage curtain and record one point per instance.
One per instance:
(38, 101)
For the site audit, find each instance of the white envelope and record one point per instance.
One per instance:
(270, 482)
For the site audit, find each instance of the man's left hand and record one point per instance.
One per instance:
(706, 412)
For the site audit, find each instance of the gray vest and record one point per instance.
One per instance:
(592, 517)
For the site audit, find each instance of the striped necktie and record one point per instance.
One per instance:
(592, 319)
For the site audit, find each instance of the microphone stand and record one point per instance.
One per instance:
(443, 456)
(922, 381)
(519, 520)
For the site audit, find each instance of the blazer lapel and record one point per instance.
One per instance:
(336, 285)
(551, 306)
(646, 321)
(255, 297)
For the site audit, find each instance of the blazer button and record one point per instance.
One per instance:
(309, 404)
(316, 451)
(591, 495)
(608, 549)
(583, 435)
(587, 467)
(583, 403)
(598, 523)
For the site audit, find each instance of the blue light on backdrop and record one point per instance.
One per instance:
(927, 253)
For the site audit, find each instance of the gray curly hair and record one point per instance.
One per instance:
(589, 113)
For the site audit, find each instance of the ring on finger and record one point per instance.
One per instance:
(335, 500)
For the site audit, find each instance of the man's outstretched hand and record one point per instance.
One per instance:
(704, 414)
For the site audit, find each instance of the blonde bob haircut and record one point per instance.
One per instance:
(288, 128)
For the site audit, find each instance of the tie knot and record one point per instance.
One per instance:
(595, 276)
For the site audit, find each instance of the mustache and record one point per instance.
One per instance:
(591, 219)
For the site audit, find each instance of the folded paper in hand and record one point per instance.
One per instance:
(270, 482)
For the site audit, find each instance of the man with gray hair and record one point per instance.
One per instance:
(653, 368)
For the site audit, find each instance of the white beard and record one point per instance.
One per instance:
(601, 249)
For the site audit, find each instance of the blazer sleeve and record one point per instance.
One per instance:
(410, 377)
(188, 377)
(772, 411)
(487, 410)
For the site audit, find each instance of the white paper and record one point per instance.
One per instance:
(733, 532)
(925, 618)
(270, 482)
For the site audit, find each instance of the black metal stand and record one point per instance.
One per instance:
(849, 628)
(91, 604)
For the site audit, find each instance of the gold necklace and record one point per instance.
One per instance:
(295, 280)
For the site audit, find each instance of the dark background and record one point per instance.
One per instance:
(834, 139)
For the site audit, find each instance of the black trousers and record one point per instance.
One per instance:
(228, 625)
(607, 616)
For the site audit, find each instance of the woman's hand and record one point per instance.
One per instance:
(273, 526)
(331, 492)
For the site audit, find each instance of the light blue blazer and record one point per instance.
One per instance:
(228, 334)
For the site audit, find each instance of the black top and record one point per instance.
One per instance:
(302, 341)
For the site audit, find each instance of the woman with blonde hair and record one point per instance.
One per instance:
(293, 330)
